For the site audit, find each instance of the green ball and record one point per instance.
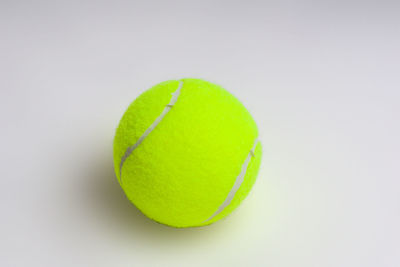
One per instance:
(186, 153)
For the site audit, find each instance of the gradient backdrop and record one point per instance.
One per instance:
(321, 78)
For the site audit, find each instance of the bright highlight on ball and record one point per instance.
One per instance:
(186, 153)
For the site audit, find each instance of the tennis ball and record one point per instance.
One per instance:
(186, 153)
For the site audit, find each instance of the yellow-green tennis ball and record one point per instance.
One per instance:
(186, 152)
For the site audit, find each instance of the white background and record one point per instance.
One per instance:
(321, 78)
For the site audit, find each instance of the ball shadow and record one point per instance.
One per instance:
(109, 204)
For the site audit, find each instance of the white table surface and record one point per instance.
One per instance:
(321, 78)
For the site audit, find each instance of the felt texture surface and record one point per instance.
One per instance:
(184, 169)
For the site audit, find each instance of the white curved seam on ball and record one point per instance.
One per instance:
(237, 184)
(167, 108)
